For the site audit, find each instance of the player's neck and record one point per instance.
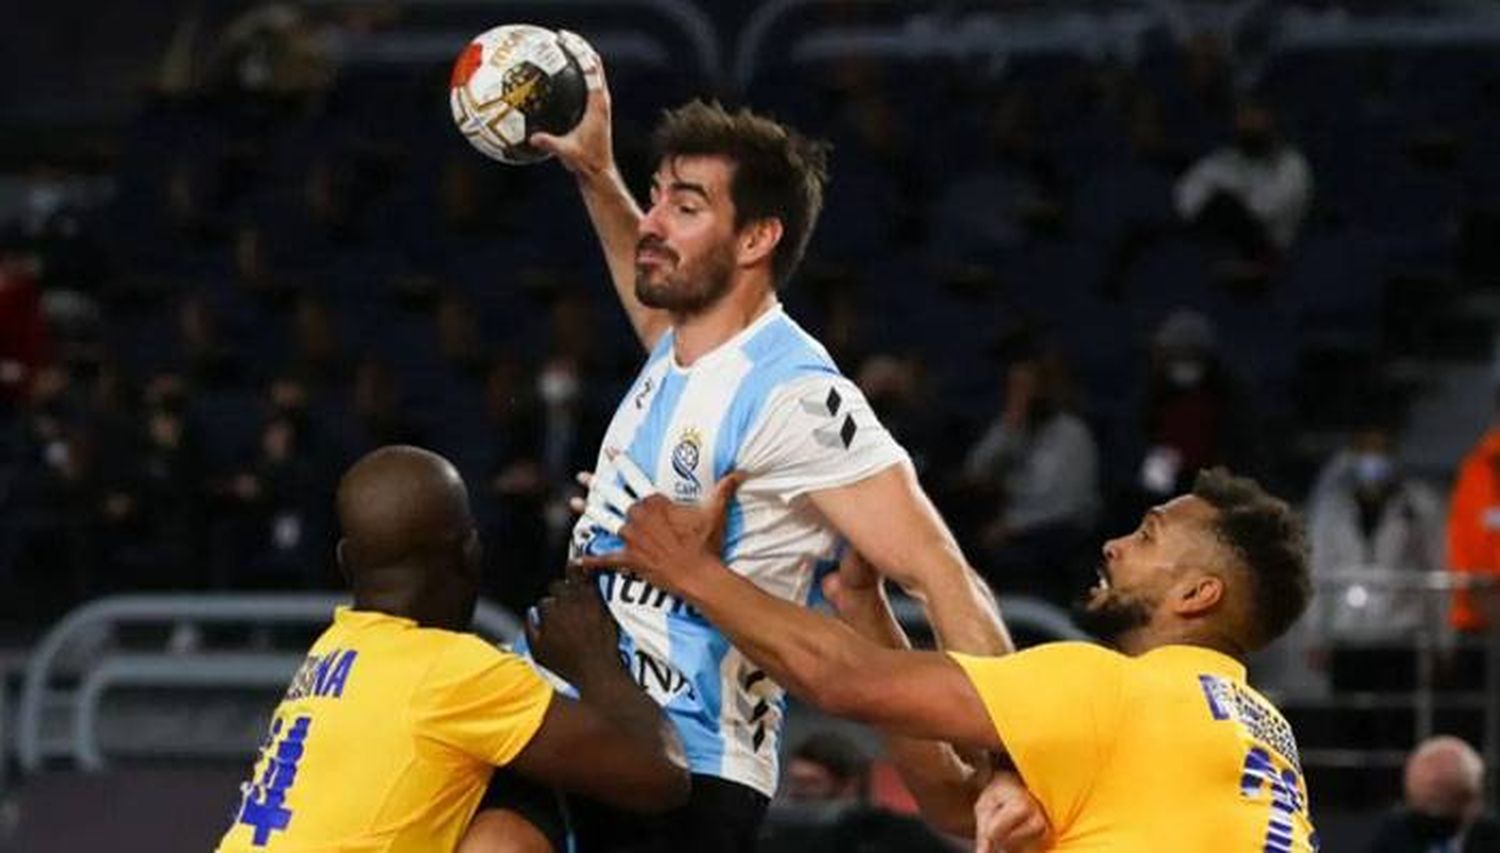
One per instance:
(697, 335)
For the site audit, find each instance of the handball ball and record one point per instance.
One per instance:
(513, 81)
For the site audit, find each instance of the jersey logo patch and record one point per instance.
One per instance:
(685, 456)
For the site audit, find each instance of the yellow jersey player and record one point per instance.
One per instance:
(388, 733)
(1155, 744)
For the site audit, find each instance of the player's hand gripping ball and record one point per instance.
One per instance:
(516, 80)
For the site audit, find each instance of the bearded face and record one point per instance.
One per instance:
(685, 252)
(684, 286)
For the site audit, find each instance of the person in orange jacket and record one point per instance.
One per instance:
(1474, 529)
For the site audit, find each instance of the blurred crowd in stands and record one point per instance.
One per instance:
(1066, 284)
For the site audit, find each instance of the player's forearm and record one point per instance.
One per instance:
(616, 219)
(962, 610)
(944, 787)
(809, 654)
(608, 688)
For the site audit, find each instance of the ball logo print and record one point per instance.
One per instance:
(685, 458)
(514, 81)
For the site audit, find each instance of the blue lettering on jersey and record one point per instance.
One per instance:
(1260, 772)
(1230, 701)
(321, 671)
(263, 807)
(1215, 705)
(335, 685)
(322, 675)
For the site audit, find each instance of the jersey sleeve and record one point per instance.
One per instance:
(1056, 708)
(481, 701)
(816, 433)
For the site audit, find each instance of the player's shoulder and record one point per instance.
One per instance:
(781, 344)
(1077, 652)
(1069, 657)
(459, 651)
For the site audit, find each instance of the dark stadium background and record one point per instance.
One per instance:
(241, 243)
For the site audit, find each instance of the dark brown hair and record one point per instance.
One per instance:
(1270, 542)
(778, 172)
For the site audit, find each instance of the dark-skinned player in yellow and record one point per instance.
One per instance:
(1155, 743)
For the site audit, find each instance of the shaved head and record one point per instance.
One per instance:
(409, 545)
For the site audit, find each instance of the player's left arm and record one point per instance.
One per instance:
(817, 657)
(890, 521)
(919, 694)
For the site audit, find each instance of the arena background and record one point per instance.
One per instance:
(243, 243)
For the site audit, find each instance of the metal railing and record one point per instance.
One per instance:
(168, 669)
(1431, 637)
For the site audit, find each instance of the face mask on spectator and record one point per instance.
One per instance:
(1186, 372)
(43, 201)
(557, 386)
(1373, 470)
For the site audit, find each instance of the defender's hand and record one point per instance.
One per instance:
(666, 542)
(587, 149)
(572, 630)
(1007, 819)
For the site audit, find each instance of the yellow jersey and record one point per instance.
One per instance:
(385, 739)
(1167, 751)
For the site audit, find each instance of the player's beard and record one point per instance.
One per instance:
(686, 288)
(1111, 614)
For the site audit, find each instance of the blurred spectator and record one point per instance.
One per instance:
(839, 299)
(319, 359)
(1039, 462)
(153, 499)
(195, 201)
(518, 484)
(1253, 194)
(1131, 207)
(824, 806)
(343, 188)
(273, 50)
(48, 507)
(52, 232)
(207, 359)
(289, 398)
(574, 402)
(377, 406)
(459, 341)
(1474, 530)
(1015, 191)
(25, 345)
(827, 767)
(1443, 805)
(477, 201)
(895, 386)
(1366, 514)
(254, 270)
(1195, 415)
(282, 533)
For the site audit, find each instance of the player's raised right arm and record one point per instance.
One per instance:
(588, 152)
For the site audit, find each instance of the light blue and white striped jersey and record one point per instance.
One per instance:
(770, 403)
